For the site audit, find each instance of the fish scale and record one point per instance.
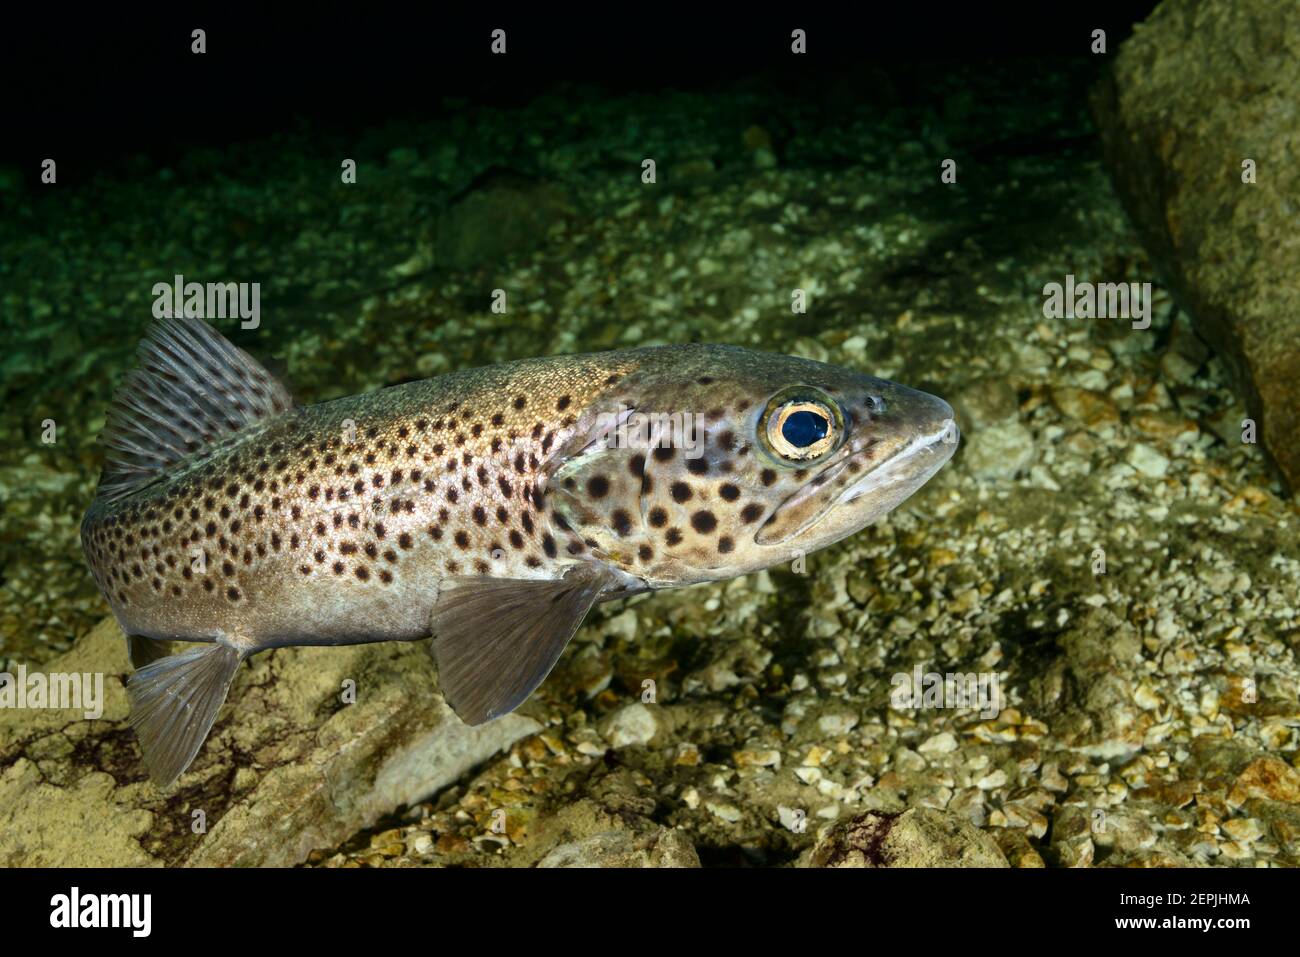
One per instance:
(487, 508)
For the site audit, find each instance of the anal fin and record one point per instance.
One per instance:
(495, 640)
(174, 702)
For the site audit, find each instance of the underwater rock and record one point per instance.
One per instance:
(1266, 777)
(1089, 690)
(663, 847)
(634, 724)
(608, 826)
(1093, 410)
(983, 403)
(510, 215)
(918, 837)
(1001, 452)
(289, 766)
(1197, 120)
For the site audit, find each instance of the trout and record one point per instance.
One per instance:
(485, 510)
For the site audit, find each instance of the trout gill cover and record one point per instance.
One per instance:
(486, 510)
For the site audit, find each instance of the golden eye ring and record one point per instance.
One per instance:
(801, 428)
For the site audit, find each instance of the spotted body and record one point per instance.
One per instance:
(487, 508)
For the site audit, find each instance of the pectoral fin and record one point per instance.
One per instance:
(496, 640)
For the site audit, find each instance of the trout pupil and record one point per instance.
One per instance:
(804, 428)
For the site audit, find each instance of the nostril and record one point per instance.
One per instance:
(875, 404)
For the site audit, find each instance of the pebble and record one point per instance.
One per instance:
(633, 724)
(942, 743)
(421, 844)
(1000, 452)
(993, 781)
(1266, 777)
(1244, 830)
(1092, 409)
(837, 724)
(1147, 460)
(726, 812)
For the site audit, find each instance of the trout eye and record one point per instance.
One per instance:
(802, 426)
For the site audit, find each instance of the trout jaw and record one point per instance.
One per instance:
(914, 464)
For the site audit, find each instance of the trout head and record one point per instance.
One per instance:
(718, 461)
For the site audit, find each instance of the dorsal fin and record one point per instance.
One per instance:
(191, 388)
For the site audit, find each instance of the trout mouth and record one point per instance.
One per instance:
(910, 467)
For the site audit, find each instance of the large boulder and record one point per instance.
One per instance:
(288, 768)
(918, 837)
(1201, 88)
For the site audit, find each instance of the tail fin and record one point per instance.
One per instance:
(174, 702)
(191, 387)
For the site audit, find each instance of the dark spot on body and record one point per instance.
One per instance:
(704, 522)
